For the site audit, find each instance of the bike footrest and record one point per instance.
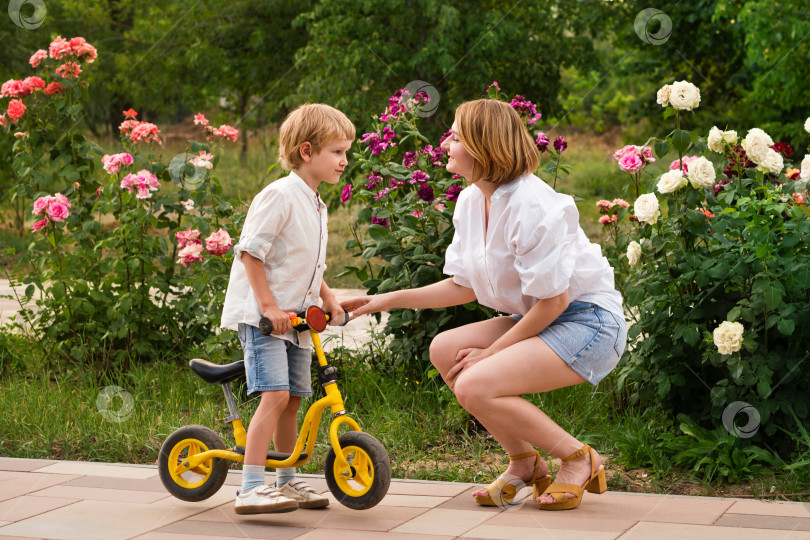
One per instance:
(271, 454)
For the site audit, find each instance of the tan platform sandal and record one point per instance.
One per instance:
(501, 492)
(596, 483)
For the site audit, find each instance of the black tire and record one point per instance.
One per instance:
(369, 481)
(195, 484)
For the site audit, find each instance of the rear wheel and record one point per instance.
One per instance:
(370, 471)
(200, 482)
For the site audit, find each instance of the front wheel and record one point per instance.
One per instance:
(203, 480)
(370, 471)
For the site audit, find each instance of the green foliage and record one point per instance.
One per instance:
(744, 261)
(106, 295)
(384, 44)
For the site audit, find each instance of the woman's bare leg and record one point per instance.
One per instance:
(443, 352)
(491, 389)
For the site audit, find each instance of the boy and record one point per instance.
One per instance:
(277, 270)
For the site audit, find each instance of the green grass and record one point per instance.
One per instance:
(427, 435)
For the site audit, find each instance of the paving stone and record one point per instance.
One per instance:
(245, 529)
(20, 464)
(14, 483)
(23, 507)
(443, 521)
(769, 508)
(99, 469)
(101, 494)
(764, 522)
(679, 531)
(504, 532)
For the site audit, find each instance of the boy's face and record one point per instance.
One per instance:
(328, 164)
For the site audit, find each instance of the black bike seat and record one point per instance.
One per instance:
(279, 456)
(217, 373)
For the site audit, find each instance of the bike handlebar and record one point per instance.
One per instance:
(300, 319)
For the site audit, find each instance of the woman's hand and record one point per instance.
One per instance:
(464, 359)
(363, 305)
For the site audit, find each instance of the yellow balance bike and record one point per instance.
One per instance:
(193, 460)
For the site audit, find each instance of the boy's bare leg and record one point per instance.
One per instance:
(263, 425)
(286, 433)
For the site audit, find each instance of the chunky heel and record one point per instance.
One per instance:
(598, 485)
(540, 486)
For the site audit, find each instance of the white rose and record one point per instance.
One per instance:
(663, 95)
(807, 125)
(804, 175)
(684, 95)
(672, 181)
(757, 144)
(646, 208)
(701, 173)
(773, 163)
(633, 252)
(718, 139)
(728, 337)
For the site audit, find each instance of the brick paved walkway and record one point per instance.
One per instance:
(84, 501)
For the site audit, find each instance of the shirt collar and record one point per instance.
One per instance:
(311, 194)
(508, 188)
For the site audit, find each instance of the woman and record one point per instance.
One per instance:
(518, 249)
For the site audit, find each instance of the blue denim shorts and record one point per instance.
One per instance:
(272, 363)
(588, 338)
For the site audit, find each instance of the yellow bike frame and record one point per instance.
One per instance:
(309, 428)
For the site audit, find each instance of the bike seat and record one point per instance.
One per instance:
(217, 373)
(271, 454)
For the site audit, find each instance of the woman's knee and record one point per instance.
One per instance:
(470, 392)
(442, 350)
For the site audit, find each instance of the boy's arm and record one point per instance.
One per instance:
(254, 268)
(330, 303)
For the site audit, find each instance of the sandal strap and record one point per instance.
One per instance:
(579, 453)
(556, 489)
(524, 455)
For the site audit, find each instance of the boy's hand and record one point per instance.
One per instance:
(332, 307)
(280, 319)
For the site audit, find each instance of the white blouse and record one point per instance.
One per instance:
(286, 228)
(533, 248)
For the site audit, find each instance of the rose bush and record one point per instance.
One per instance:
(714, 265)
(111, 294)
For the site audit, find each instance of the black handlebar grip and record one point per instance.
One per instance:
(265, 326)
(345, 318)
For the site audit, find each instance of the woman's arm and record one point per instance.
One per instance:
(442, 294)
(535, 321)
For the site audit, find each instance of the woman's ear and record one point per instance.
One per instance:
(305, 150)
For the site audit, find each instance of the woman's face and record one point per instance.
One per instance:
(459, 161)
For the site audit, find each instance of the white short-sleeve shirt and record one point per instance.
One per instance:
(533, 248)
(286, 228)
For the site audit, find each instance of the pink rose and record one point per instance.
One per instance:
(686, 161)
(219, 242)
(57, 211)
(32, 84)
(16, 109)
(630, 162)
(604, 206)
(38, 57)
(59, 48)
(607, 220)
(145, 131)
(190, 254)
(39, 225)
(346, 194)
(185, 238)
(61, 199)
(629, 149)
(53, 89)
(68, 70)
(200, 120)
(12, 88)
(41, 205)
(226, 132)
(648, 155)
(621, 202)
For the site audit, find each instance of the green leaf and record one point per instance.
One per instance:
(662, 148)
(681, 140)
(786, 327)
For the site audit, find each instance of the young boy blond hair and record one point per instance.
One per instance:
(277, 270)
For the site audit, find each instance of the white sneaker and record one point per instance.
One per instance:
(300, 491)
(263, 500)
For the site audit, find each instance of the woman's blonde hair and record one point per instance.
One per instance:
(497, 139)
(315, 123)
